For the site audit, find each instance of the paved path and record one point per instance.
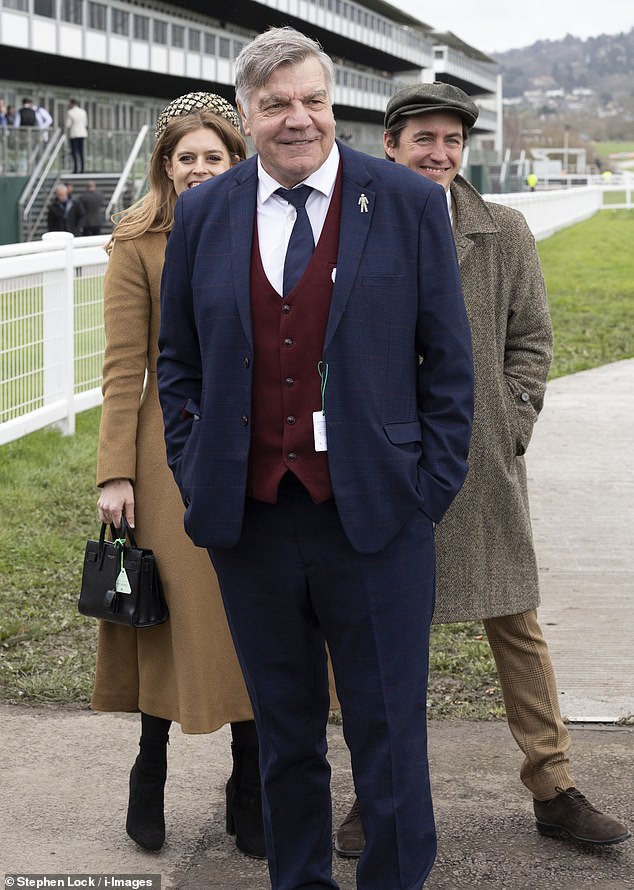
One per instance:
(64, 776)
(581, 483)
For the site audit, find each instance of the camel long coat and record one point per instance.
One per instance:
(486, 563)
(185, 670)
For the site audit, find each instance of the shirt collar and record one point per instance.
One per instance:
(323, 179)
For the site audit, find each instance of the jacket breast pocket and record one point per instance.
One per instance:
(384, 281)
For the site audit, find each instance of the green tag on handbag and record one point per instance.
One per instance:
(122, 585)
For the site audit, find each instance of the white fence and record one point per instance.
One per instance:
(547, 212)
(51, 313)
(51, 332)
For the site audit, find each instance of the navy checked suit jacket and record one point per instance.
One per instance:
(398, 429)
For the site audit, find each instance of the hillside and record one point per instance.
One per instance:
(603, 64)
(586, 84)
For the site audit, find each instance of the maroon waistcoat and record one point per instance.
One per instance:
(288, 337)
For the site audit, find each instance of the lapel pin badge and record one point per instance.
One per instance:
(363, 203)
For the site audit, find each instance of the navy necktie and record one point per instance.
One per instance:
(301, 244)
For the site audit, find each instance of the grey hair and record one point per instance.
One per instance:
(258, 60)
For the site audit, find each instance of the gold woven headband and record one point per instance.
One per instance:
(196, 102)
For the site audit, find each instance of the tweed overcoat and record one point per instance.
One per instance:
(486, 563)
(185, 670)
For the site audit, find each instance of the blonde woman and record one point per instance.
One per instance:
(185, 670)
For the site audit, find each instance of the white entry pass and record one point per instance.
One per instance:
(319, 429)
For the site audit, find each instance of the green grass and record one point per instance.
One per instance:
(49, 502)
(603, 149)
(48, 498)
(588, 271)
(23, 330)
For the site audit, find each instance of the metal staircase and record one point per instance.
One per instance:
(106, 184)
(119, 172)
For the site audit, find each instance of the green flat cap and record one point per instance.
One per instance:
(424, 97)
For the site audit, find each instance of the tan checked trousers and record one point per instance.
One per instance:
(529, 690)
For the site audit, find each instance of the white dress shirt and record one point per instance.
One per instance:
(276, 216)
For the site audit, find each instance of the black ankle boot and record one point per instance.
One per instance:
(244, 801)
(145, 822)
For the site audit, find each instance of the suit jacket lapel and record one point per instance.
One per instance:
(357, 210)
(242, 209)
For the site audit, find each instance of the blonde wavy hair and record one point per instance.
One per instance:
(154, 212)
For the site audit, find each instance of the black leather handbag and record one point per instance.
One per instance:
(120, 581)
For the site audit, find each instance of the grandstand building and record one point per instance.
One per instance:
(125, 59)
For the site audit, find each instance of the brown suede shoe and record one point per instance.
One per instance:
(349, 838)
(571, 815)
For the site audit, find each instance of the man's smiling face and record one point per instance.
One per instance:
(430, 144)
(290, 121)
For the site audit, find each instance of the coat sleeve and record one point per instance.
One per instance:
(127, 308)
(529, 339)
(445, 377)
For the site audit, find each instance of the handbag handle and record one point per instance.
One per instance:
(116, 534)
(125, 531)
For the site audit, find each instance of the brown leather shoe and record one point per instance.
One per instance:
(349, 838)
(571, 815)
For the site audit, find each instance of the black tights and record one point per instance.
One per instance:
(244, 734)
(156, 729)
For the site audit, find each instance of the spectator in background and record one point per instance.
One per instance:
(531, 181)
(64, 213)
(25, 117)
(31, 115)
(11, 114)
(92, 209)
(43, 120)
(77, 126)
(3, 114)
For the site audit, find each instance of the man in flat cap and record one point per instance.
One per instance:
(485, 561)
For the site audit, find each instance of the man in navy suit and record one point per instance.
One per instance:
(318, 429)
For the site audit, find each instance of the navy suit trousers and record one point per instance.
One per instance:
(292, 584)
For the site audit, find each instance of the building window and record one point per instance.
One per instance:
(225, 48)
(159, 32)
(210, 44)
(71, 11)
(194, 40)
(44, 7)
(141, 27)
(120, 21)
(22, 5)
(178, 36)
(97, 13)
